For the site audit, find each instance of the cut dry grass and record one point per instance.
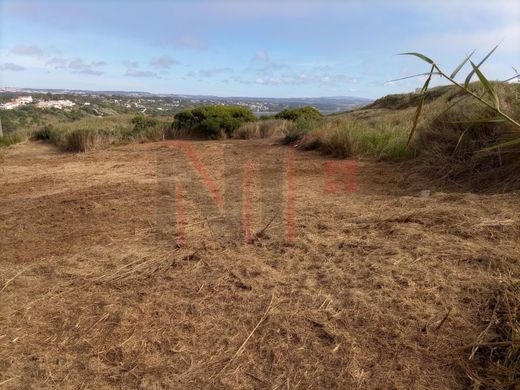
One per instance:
(494, 357)
(381, 289)
(361, 298)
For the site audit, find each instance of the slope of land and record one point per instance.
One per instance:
(384, 287)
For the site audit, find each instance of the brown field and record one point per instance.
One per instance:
(382, 289)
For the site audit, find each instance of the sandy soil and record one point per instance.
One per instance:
(382, 287)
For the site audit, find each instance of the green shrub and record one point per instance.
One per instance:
(142, 122)
(212, 121)
(301, 128)
(147, 128)
(211, 127)
(293, 114)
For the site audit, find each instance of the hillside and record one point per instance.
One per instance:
(448, 146)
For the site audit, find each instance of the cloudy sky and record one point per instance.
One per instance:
(248, 48)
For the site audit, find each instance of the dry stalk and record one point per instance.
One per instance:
(9, 380)
(242, 347)
(13, 278)
(442, 321)
(481, 335)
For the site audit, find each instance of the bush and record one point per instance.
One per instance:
(212, 121)
(142, 122)
(293, 114)
(301, 128)
(147, 128)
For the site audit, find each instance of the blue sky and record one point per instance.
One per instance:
(248, 48)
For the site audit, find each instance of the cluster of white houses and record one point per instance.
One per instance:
(22, 100)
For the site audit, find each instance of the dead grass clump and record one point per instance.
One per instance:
(494, 360)
(451, 143)
(81, 140)
(263, 129)
(12, 138)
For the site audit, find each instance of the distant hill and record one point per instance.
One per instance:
(327, 104)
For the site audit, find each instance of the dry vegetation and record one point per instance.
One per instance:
(100, 132)
(263, 129)
(412, 281)
(383, 288)
(448, 143)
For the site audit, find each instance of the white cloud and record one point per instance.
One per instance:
(27, 50)
(140, 73)
(11, 66)
(261, 56)
(163, 62)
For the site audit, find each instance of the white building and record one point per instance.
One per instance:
(19, 101)
(59, 104)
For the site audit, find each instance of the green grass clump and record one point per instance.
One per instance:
(357, 139)
(375, 133)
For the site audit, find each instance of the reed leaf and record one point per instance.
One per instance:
(419, 55)
(420, 106)
(502, 145)
(482, 120)
(415, 75)
(488, 87)
(460, 140)
(470, 75)
(458, 68)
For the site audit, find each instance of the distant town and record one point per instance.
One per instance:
(22, 100)
(109, 102)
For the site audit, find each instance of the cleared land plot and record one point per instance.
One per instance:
(92, 296)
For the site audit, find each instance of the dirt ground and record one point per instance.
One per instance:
(384, 287)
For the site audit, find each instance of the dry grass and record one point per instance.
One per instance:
(382, 289)
(380, 135)
(494, 361)
(93, 133)
(263, 129)
(13, 138)
(450, 144)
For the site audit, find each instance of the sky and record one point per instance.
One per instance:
(305, 48)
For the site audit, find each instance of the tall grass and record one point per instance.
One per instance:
(93, 132)
(381, 137)
(12, 138)
(263, 129)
